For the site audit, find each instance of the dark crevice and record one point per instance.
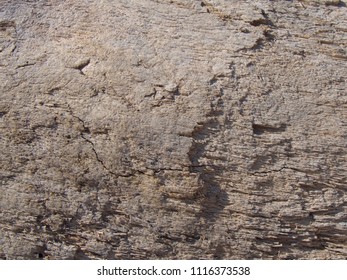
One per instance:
(269, 35)
(335, 3)
(40, 252)
(261, 21)
(259, 129)
(265, 20)
(158, 170)
(7, 24)
(259, 44)
(267, 172)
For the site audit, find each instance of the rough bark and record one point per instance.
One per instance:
(157, 129)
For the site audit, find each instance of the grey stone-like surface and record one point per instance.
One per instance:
(157, 129)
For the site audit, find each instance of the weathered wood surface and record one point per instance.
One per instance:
(173, 129)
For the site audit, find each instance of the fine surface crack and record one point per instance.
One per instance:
(278, 170)
(87, 130)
